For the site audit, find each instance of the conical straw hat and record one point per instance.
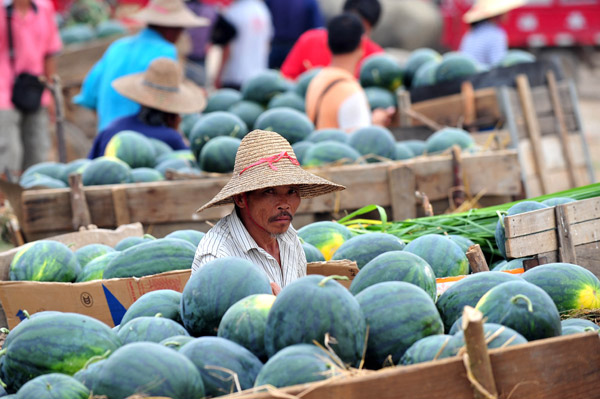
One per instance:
(169, 13)
(483, 9)
(266, 159)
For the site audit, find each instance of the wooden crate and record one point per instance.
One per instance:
(170, 205)
(565, 233)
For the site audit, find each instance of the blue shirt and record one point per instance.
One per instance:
(125, 56)
(170, 136)
(486, 42)
(291, 18)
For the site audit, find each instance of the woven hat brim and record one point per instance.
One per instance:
(180, 19)
(309, 186)
(188, 99)
(489, 9)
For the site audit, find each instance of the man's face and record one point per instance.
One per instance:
(273, 208)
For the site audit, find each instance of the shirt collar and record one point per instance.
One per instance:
(286, 238)
(8, 3)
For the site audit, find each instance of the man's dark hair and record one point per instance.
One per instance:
(344, 33)
(155, 117)
(370, 10)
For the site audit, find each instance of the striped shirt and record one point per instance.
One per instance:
(229, 237)
(486, 42)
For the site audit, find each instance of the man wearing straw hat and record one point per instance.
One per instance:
(163, 94)
(266, 188)
(486, 41)
(165, 20)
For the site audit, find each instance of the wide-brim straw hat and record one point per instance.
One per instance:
(266, 159)
(162, 87)
(169, 13)
(484, 9)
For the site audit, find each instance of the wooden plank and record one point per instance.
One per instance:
(404, 103)
(588, 256)
(468, 97)
(566, 248)
(120, 205)
(588, 160)
(402, 192)
(79, 208)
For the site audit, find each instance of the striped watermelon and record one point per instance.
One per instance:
(177, 341)
(365, 247)
(193, 236)
(290, 123)
(247, 111)
(218, 155)
(444, 256)
(381, 70)
(221, 100)
(326, 236)
(94, 270)
(264, 86)
(141, 175)
(44, 260)
(106, 170)
(209, 126)
(520, 207)
(330, 151)
(133, 148)
(149, 329)
(300, 148)
(374, 140)
(426, 349)
(328, 134)
(54, 385)
(166, 302)
(89, 252)
(287, 99)
(312, 253)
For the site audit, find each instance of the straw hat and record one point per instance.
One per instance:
(169, 13)
(266, 159)
(483, 9)
(162, 87)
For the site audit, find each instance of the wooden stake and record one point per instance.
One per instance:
(79, 209)
(430, 123)
(566, 249)
(121, 207)
(478, 364)
(404, 103)
(458, 193)
(476, 259)
(469, 111)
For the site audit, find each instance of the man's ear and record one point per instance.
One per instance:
(239, 200)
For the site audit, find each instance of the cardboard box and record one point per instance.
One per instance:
(346, 268)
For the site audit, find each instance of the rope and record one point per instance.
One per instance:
(271, 160)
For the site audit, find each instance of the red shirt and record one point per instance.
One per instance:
(311, 50)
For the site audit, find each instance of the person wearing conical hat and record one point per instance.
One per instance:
(163, 95)
(165, 21)
(486, 41)
(266, 189)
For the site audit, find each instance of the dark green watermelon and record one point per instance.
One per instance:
(288, 99)
(497, 336)
(396, 266)
(300, 148)
(129, 242)
(366, 247)
(328, 134)
(463, 242)
(54, 170)
(326, 236)
(149, 329)
(381, 70)
(304, 80)
(444, 256)
(426, 349)
(106, 170)
(176, 342)
(512, 265)
(186, 155)
(44, 260)
(380, 98)
(398, 315)
(447, 137)
(248, 111)
(557, 201)
(54, 386)
(218, 123)
(173, 164)
(403, 152)
(193, 236)
(41, 181)
(187, 123)
(425, 75)
(516, 56)
(88, 252)
(221, 100)
(374, 140)
(264, 86)
(520, 207)
(455, 65)
(221, 353)
(245, 322)
(416, 59)
(166, 302)
(75, 166)
(292, 124)
(77, 33)
(150, 369)
(416, 146)
(133, 148)
(581, 323)
(311, 307)
(216, 286)
(329, 151)
(94, 270)
(218, 155)
(141, 175)
(87, 375)
(312, 253)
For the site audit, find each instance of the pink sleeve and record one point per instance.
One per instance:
(53, 42)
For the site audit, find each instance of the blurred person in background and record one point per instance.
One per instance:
(486, 41)
(244, 31)
(311, 49)
(165, 20)
(24, 135)
(335, 98)
(291, 18)
(200, 41)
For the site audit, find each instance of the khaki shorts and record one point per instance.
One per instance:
(24, 139)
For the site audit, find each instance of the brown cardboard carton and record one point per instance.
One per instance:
(344, 267)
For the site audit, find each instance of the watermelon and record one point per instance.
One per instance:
(41, 181)
(54, 342)
(329, 151)
(576, 330)
(398, 315)
(186, 155)
(312, 253)
(366, 247)
(187, 123)
(220, 353)
(44, 260)
(467, 292)
(247, 111)
(455, 65)
(75, 166)
(129, 242)
(311, 307)
(557, 201)
(193, 236)
(522, 306)
(300, 148)
(173, 164)
(218, 155)
(396, 266)
(497, 336)
(218, 123)
(463, 242)
(54, 170)
(221, 100)
(425, 75)
(141, 175)
(288, 99)
(444, 256)
(94, 270)
(570, 286)
(520, 207)
(426, 349)
(149, 329)
(297, 364)
(403, 152)
(512, 265)
(245, 321)
(516, 56)
(77, 33)
(326, 236)
(150, 369)
(264, 86)
(416, 146)
(374, 140)
(579, 323)
(131, 147)
(152, 257)
(381, 70)
(328, 134)
(380, 98)
(89, 252)
(106, 170)
(304, 80)
(447, 137)
(213, 288)
(416, 59)
(292, 124)
(54, 386)
(176, 342)
(88, 374)
(111, 27)
(166, 302)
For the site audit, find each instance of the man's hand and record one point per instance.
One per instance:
(383, 116)
(275, 288)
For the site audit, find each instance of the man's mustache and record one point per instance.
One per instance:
(280, 214)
